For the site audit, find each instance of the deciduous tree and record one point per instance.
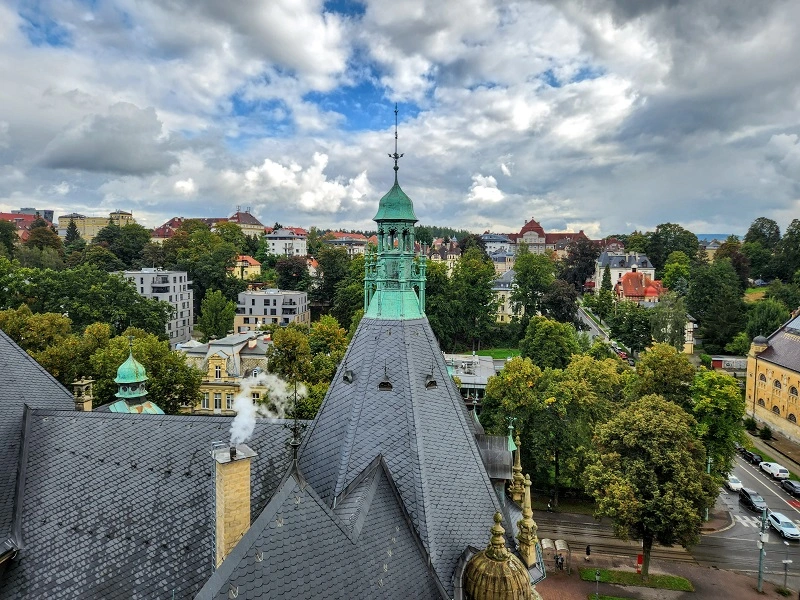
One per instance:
(548, 343)
(668, 320)
(292, 273)
(664, 371)
(216, 315)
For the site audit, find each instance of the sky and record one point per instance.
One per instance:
(602, 115)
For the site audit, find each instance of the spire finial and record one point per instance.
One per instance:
(395, 156)
(496, 549)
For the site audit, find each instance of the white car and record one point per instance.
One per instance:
(774, 470)
(784, 526)
(733, 483)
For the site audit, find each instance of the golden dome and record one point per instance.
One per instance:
(495, 573)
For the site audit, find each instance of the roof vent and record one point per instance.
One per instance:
(385, 385)
(430, 382)
(348, 376)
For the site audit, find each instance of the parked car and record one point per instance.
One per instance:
(756, 459)
(774, 470)
(792, 486)
(733, 483)
(622, 355)
(746, 454)
(783, 525)
(752, 499)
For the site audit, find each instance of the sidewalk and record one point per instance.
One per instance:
(781, 449)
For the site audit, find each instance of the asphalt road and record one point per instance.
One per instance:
(593, 330)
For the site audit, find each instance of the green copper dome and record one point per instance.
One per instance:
(131, 371)
(395, 206)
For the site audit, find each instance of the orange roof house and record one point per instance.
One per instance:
(638, 287)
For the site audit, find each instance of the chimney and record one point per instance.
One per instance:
(82, 392)
(232, 493)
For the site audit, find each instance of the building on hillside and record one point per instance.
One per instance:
(619, 264)
(246, 267)
(503, 261)
(88, 227)
(167, 230)
(22, 222)
(711, 247)
(447, 253)
(284, 242)
(773, 378)
(47, 215)
(638, 287)
(389, 492)
(502, 288)
(354, 243)
(231, 366)
(497, 242)
(247, 222)
(171, 287)
(270, 307)
(538, 241)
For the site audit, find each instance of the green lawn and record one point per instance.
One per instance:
(498, 352)
(566, 505)
(768, 458)
(661, 582)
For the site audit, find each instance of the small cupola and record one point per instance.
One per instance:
(131, 378)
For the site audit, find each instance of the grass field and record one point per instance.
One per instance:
(754, 294)
(661, 582)
(498, 352)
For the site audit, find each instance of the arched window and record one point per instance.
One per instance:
(762, 377)
(776, 410)
(761, 402)
(776, 384)
(792, 418)
(793, 391)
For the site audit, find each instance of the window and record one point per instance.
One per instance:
(256, 396)
(776, 384)
(273, 311)
(217, 372)
(205, 400)
(229, 401)
(762, 377)
(793, 391)
(141, 279)
(776, 410)
(217, 401)
(761, 402)
(792, 418)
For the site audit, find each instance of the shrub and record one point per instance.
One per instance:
(705, 360)
(750, 424)
(765, 433)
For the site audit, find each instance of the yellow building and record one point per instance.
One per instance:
(502, 288)
(231, 366)
(773, 378)
(89, 226)
(246, 267)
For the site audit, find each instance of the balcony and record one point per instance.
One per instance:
(157, 289)
(160, 279)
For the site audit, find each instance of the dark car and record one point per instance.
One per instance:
(792, 486)
(752, 499)
(756, 458)
(746, 454)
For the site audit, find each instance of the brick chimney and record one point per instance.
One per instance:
(82, 392)
(232, 491)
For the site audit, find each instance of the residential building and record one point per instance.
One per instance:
(88, 227)
(47, 215)
(473, 372)
(354, 243)
(502, 288)
(538, 241)
(638, 287)
(231, 366)
(167, 230)
(503, 261)
(448, 253)
(285, 242)
(773, 378)
(171, 287)
(270, 307)
(23, 223)
(247, 222)
(497, 242)
(246, 267)
(619, 264)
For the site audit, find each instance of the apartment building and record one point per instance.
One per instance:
(270, 306)
(172, 287)
(286, 242)
(88, 227)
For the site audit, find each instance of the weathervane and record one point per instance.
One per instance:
(395, 156)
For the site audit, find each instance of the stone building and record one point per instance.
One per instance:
(88, 227)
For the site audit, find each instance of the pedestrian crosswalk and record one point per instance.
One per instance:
(752, 521)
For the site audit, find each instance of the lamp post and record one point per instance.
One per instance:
(786, 562)
(708, 470)
(762, 539)
(597, 584)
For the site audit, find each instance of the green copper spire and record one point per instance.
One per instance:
(394, 281)
(130, 378)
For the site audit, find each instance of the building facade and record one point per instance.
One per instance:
(284, 242)
(88, 227)
(354, 243)
(246, 267)
(773, 380)
(270, 307)
(171, 287)
(619, 264)
(502, 288)
(248, 223)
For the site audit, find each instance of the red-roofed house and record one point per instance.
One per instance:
(354, 243)
(246, 267)
(23, 223)
(167, 230)
(248, 223)
(534, 236)
(638, 287)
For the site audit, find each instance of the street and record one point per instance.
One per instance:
(592, 329)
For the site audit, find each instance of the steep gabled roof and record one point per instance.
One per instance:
(122, 505)
(24, 382)
(421, 432)
(366, 549)
(244, 218)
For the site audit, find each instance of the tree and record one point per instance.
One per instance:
(333, 267)
(714, 299)
(717, 405)
(548, 343)
(315, 241)
(604, 304)
(560, 302)
(765, 232)
(667, 238)
(130, 243)
(731, 249)
(787, 294)
(630, 324)
(668, 320)
(8, 237)
(533, 276)
(39, 258)
(437, 303)
(787, 253)
(102, 258)
(231, 233)
(172, 382)
(664, 371)
(216, 315)
(765, 317)
(34, 332)
(292, 273)
(70, 358)
(605, 283)
(327, 337)
(739, 345)
(649, 477)
(472, 240)
(72, 235)
(42, 237)
(762, 261)
(579, 264)
(472, 301)
(349, 296)
(676, 269)
(289, 356)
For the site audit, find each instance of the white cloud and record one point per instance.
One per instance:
(484, 189)
(186, 187)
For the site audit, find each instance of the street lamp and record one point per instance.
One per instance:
(597, 584)
(786, 562)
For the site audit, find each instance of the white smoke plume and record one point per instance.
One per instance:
(275, 404)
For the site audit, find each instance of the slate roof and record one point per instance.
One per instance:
(784, 346)
(375, 555)
(121, 505)
(505, 281)
(23, 382)
(617, 260)
(421, 433)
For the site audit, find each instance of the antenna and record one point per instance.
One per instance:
(395, 156)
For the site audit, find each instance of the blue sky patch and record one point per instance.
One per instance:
(41, 30)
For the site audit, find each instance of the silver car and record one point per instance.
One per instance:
(783, 525)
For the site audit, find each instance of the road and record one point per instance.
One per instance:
(734, 549)
(593, 330)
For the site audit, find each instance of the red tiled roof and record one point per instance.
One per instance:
(341, 235)
(248, 259)
(245, 218)
(531, 226)
(297, 230)
(637, 285)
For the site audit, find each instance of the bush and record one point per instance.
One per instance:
(750, 424)
(705, 360)
(765, 433)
